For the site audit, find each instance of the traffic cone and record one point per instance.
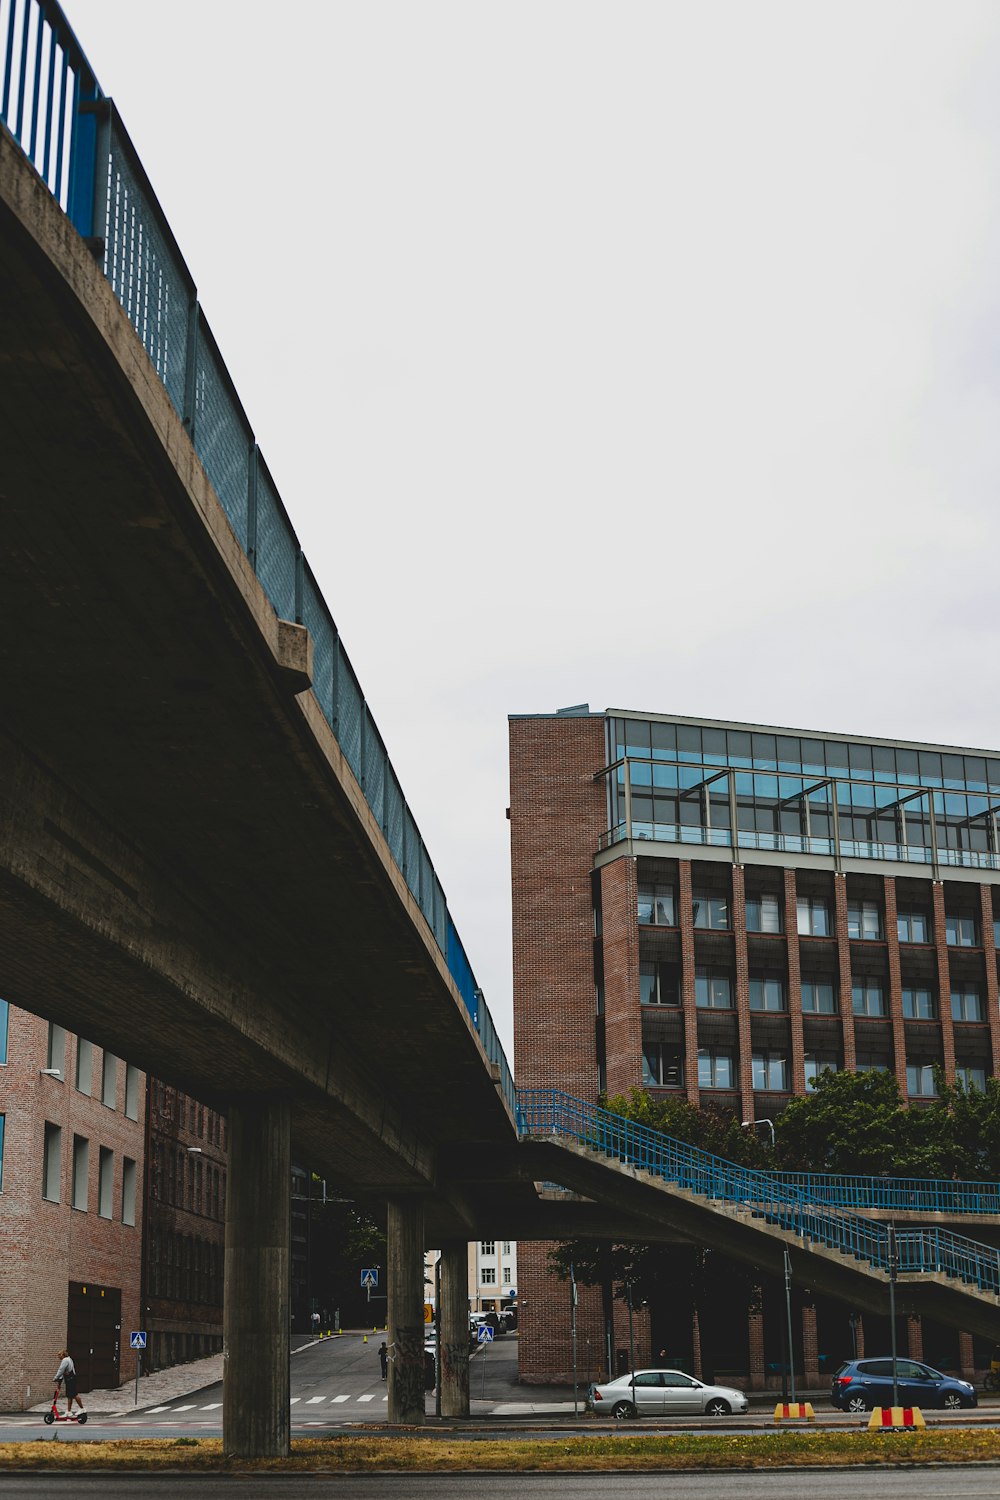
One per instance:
(365, 1339)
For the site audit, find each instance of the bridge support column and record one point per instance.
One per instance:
(453, 1355)
(256, 1420)
(405, 1276)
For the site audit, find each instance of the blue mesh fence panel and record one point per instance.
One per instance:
(412, 870)
(350, 704)
(460, 969)
(324, 640)
(394, 816)
(277, 549)
(221, 436)
(440, 922)
(148, 281)
(374, 767)
(427, 884)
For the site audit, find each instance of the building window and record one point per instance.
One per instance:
(764, 914)
(767, 992)
(712, 989)
(656, 906)
(711, 910)
(505, 1249)
(3, 1123)
(918, 1004)
(487, 1247)
(867, 997)
(871, 1062)
(966, 1003)
(715, 1068)
(662, 1066)
(55, 1052)
(817, 1063)
(913, 927)
(81, 1172)
(84, 1065)
(657, 984)
(506, 1276)
(51, 1162)
(818, 998)
(489, 1275)
(960, 932)
(864, 920)
(996, 933)
(971, 1077)
(770, 1071)
(920, 1080)
(106, 1183)
(4, 1022)
(109, 1080)
(812, 916)
(131, 1092)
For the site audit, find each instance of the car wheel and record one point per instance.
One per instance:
(717, 1408)
(623, 1411)
(952, 1401)
(857, 1403)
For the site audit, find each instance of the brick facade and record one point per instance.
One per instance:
(46, 1245)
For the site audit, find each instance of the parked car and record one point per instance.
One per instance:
(861, 1384)
(659, 1393)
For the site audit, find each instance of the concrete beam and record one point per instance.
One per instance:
(453, 1351)
(405, 1279)
(256, 1414)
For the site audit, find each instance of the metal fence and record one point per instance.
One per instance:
(53, 106)
(548, 1112)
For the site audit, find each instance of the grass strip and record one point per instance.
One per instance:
(563, 1455)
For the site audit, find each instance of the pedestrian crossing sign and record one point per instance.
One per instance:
(369, 1276)
(484, 1333)
(137, 1340)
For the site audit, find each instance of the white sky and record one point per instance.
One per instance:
(637, 353)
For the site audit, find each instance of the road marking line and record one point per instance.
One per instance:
(211, 1406)
(315, 1400)
(185, 1408)
(366, 1398)
(335, 1399)
(293, 1400)
(156, 1408)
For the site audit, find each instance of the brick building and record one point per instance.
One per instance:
(72, 1156)
(852, 922)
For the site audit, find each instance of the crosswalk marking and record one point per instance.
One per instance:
(211, 1406)
(335, 1399)
(294, 1399)
(314, 1400)
(185, 1408)
(157, 1408)
(366, 1398)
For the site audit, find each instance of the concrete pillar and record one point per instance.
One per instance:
(256, 1416)
(405, 1256)
(453, 1353)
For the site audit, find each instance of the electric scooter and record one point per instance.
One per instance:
(55, 1415)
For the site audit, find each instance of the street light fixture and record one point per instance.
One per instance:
(747, 1124)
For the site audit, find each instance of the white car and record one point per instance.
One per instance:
(663, 1393)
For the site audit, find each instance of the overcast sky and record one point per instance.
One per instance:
(643, 354)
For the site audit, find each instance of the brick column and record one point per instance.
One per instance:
(810, 1351)
(944, 982)
(915, 1337)
(966, 1356)
(744, 1060)
(990, 955)
(696, 1345)
(755, 1332)
(685, 920)
(844, 971)
(798, 1069)
(620, 941)
(860, 1336)
(895, 982)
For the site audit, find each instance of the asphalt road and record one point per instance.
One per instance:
(842, 1484)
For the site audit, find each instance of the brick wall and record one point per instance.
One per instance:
(45, 1245)
(623, 1017)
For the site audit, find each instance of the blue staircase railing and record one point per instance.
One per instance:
(761, 1195)
(910, 1195)
(53, 105)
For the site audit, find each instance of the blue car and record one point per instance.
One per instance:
(861, 1384)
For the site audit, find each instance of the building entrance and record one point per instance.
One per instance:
(93, 1334)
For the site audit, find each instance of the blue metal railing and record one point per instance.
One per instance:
(52, 104)
(548, 1112)
(920, 1195)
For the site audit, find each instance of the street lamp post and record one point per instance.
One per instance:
(748, 1124)
(893, 1269)
(788, 1313)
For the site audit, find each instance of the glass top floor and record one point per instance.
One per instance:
(685, 781)
(749, 747)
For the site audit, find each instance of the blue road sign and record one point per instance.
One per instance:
(137, 1340)
(484, 1334)
(369, 1276)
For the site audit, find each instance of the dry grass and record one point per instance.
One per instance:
(796, 1449)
